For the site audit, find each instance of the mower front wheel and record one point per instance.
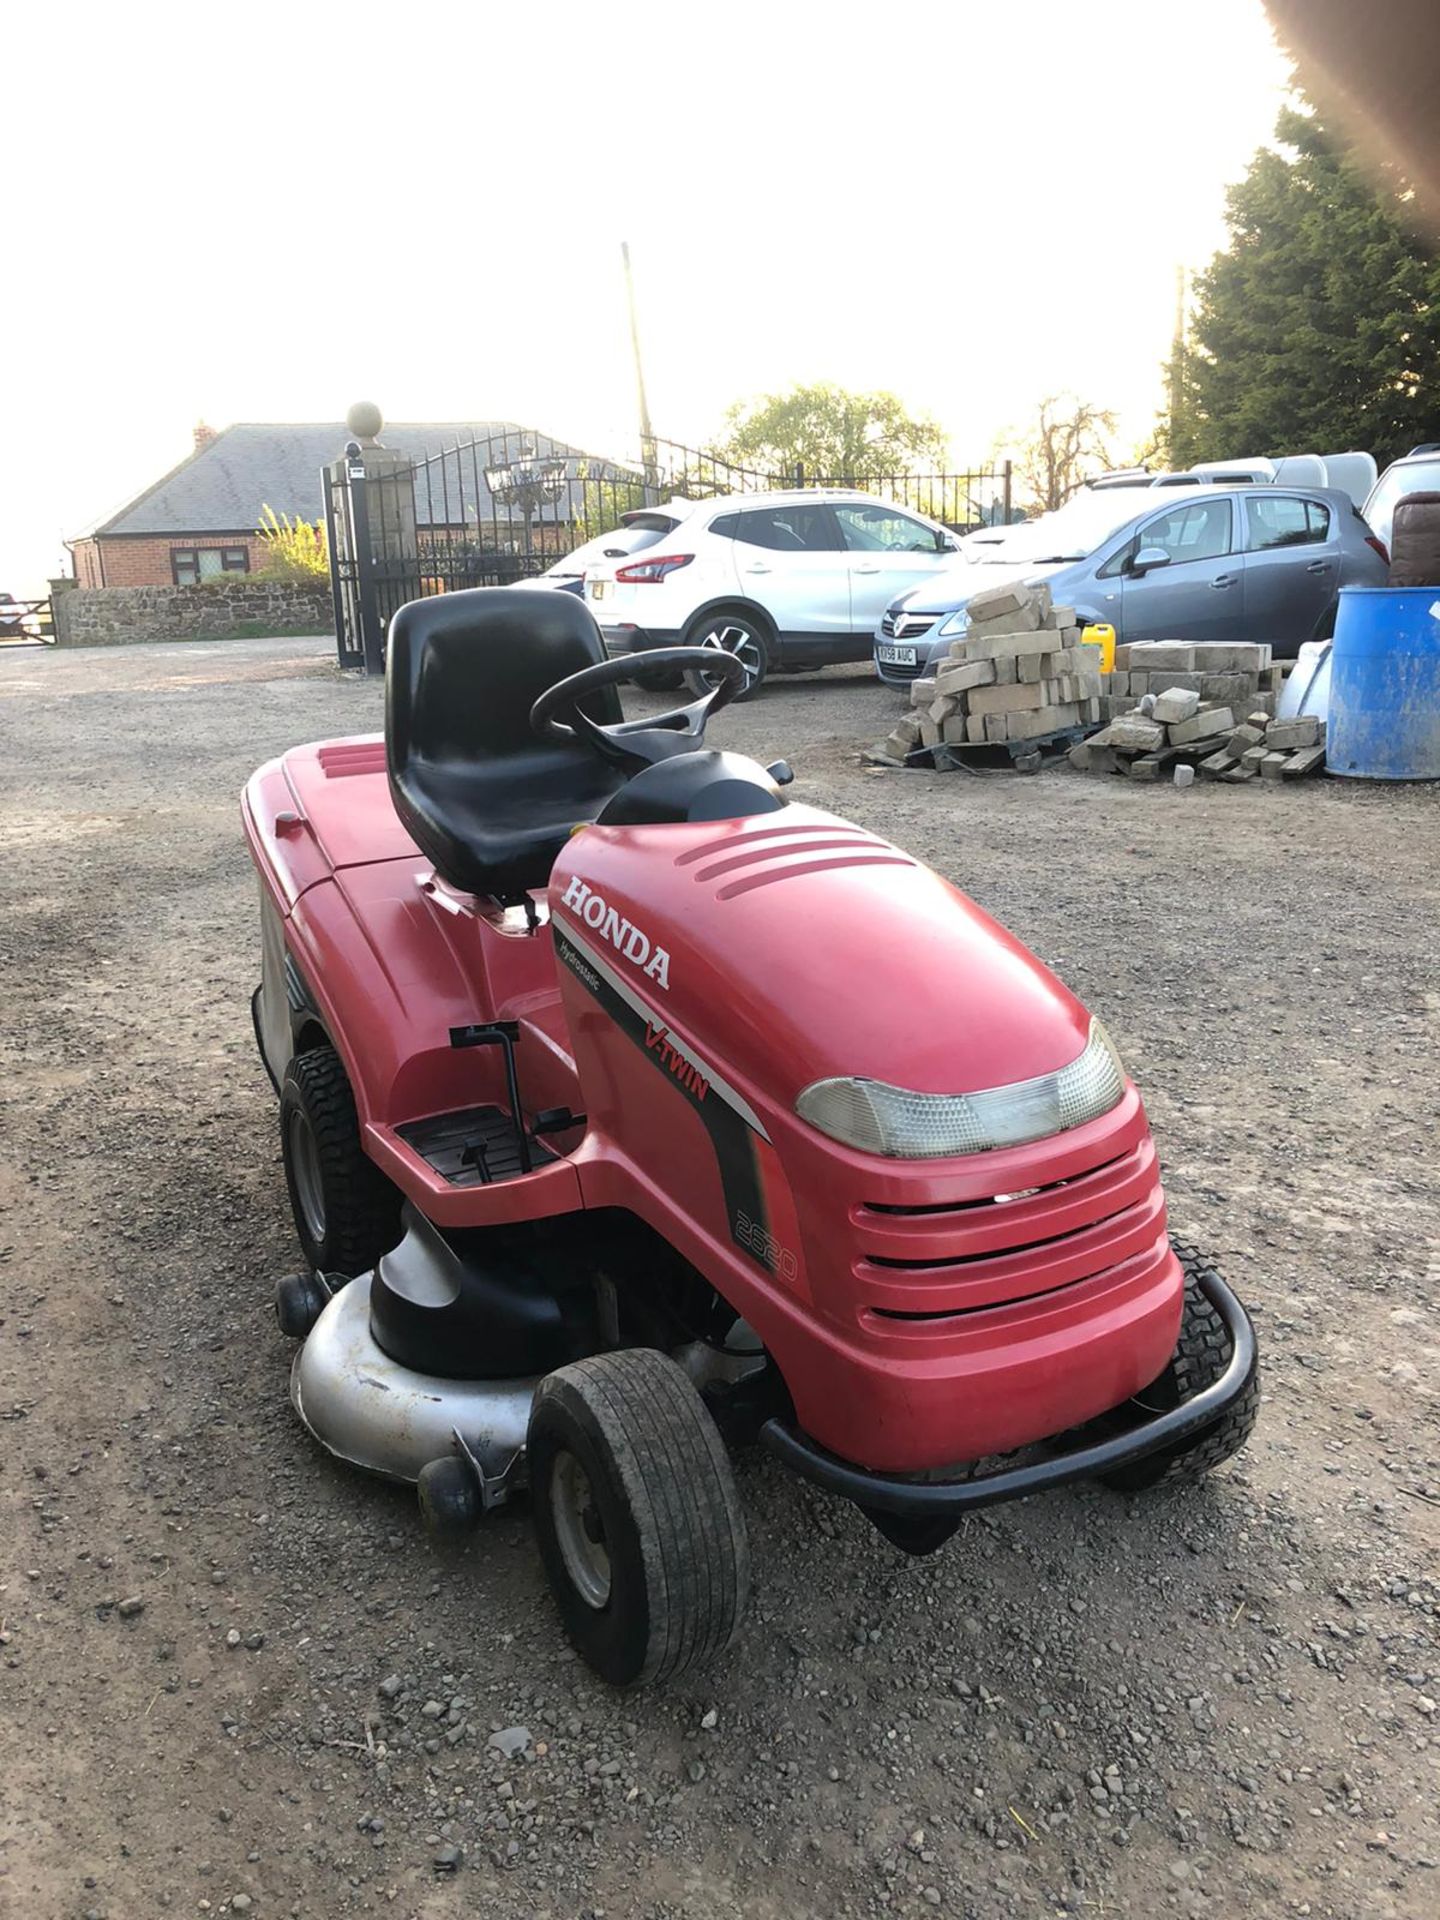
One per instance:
(346, 1212)
(639, 1524)
(1201, 1355)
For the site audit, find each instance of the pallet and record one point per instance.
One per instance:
(1149, 766)
(1023, 756)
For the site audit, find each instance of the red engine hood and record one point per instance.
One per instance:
(795, 947)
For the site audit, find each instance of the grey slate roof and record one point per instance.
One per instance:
(222, 488)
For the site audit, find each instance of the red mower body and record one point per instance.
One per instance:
(686, 984)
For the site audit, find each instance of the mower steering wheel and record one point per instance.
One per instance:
(634, 744)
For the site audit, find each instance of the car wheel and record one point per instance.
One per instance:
(659, 680)
(737, 633)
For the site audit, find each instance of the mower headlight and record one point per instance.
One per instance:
(920, 1126)
(958, 623)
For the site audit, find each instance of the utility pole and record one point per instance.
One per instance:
(1177, 357)
(647, 437)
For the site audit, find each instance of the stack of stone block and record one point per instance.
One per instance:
(1239, 674)
(1176, 728)
(1018, 675)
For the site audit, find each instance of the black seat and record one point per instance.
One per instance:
(482, 796)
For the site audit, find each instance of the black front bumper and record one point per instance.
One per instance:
(952, 1499)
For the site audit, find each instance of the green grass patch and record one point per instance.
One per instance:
(255, 630)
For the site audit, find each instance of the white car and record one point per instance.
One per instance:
(1417, 472)
(786, 581)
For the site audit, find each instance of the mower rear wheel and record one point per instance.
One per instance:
(637, 1517)
(346, 1212)
(1201, 1356)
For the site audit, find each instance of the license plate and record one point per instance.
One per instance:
(897, 656)
(597, 589)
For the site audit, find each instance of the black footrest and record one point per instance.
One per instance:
(474, 1147)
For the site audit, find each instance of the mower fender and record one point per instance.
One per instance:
(283, 846)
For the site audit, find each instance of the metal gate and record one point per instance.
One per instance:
(26, 622)
(506, 507)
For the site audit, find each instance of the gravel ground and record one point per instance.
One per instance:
(236, 1678)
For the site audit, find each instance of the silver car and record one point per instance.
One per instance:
(1199, 563)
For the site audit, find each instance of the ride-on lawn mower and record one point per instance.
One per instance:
(628, 1109)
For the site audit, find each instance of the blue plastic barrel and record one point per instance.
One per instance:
(1384, 721)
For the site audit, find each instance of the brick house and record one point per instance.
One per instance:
(199, 519)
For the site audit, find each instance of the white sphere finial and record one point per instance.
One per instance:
(364, 420)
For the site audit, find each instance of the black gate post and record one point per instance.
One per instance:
(337, 592)
(367, 605)
(374, 541)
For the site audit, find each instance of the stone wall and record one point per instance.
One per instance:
(121, 616)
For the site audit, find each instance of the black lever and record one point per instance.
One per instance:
(475, 1155)
(502, 1034)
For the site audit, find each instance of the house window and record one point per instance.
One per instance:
(189, 564)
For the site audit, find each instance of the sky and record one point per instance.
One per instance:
(257, 214)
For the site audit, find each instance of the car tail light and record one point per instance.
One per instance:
(641, 571)
(1374, 540)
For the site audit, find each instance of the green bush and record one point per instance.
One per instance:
(295, 551)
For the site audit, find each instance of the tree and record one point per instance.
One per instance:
(600, 494)
(832, 434)
(1068, 441)
(1318, 327)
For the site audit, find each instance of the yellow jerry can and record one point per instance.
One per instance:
(1101, 634)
